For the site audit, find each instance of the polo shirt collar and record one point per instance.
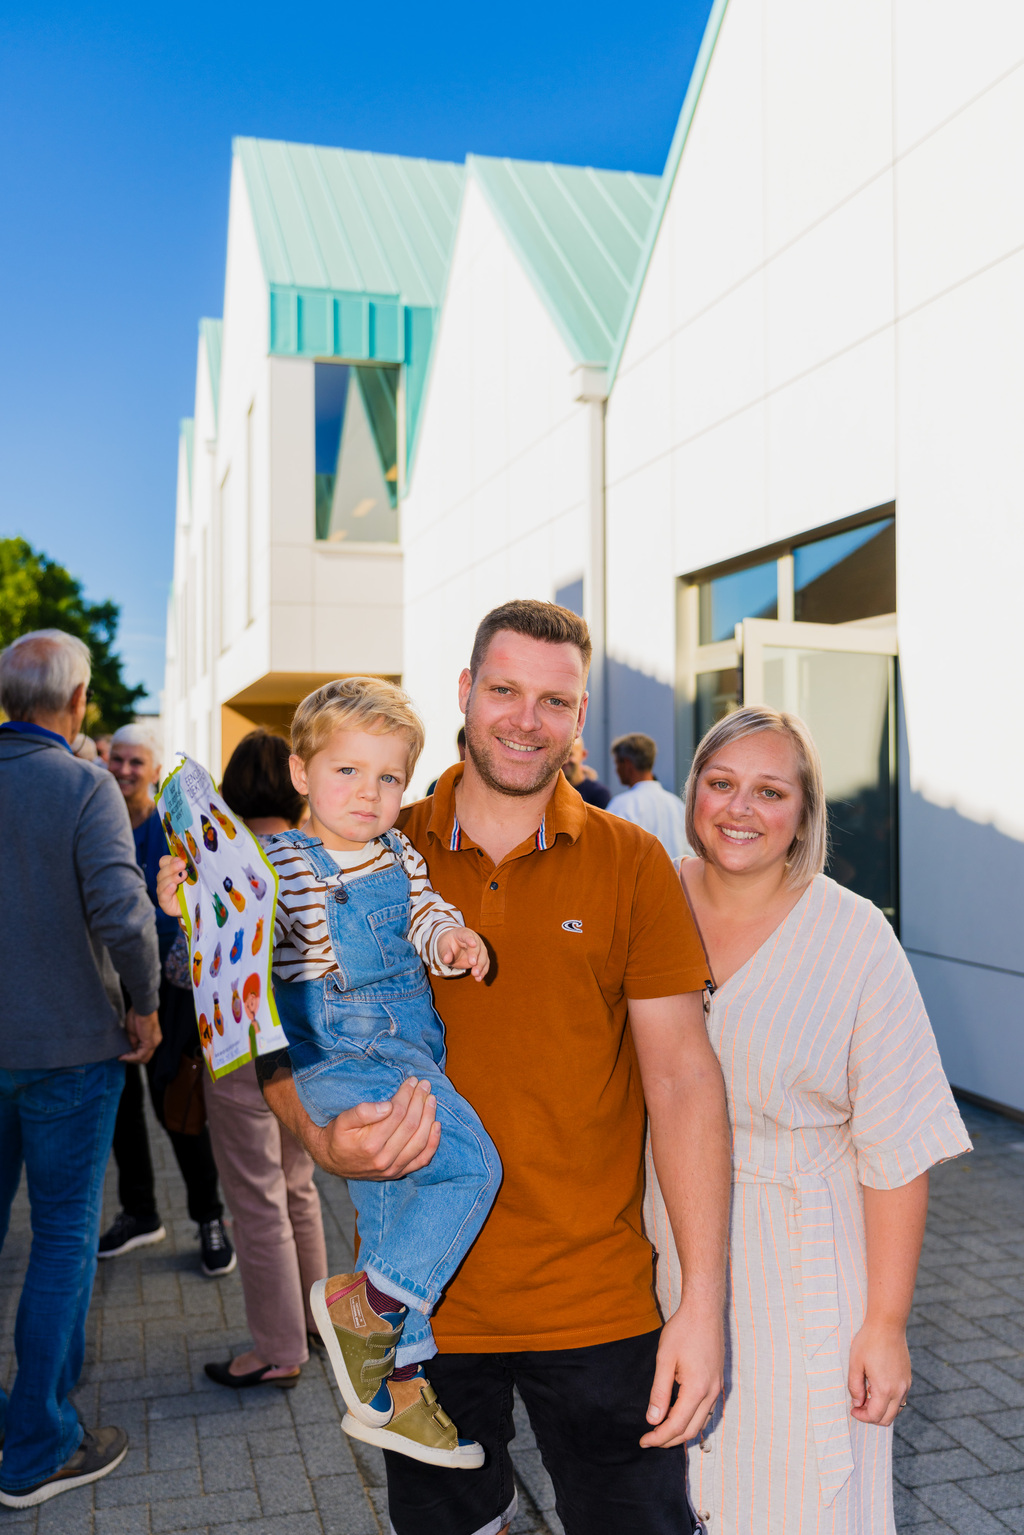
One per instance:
(566, 812)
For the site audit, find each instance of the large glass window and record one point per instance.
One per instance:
(727, 600)
(846, 577)
(356, 414)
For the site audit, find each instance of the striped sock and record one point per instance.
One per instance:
(404, 1371)
(380, 1301)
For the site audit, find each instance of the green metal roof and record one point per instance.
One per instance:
(210, 330)
(355, 249)
(580, 234)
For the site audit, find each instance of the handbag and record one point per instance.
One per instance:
(185, 1098)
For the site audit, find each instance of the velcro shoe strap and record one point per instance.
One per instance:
(377, 1369)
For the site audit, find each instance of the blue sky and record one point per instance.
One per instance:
(116, 125)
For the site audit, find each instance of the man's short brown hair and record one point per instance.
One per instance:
(537, 621)
(637, 748)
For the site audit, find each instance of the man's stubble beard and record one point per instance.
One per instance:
(514, 790)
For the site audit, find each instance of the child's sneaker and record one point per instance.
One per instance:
(419, 1428)
(360, 1344)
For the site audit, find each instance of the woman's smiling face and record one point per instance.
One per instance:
(749, 804)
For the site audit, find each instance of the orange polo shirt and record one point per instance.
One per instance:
(584, 914)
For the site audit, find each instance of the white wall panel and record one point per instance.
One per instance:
(945, 55)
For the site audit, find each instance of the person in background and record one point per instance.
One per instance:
(103, 749)
(583, 779)
(75, 908)
(645, 802)
(460, 747)
(84, 748)
(267, 1176)
(135, 767)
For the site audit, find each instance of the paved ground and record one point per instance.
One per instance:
(265, 1462)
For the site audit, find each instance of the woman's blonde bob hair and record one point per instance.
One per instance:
(356, 703)
(809, 849)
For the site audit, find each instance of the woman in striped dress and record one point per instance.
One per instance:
(839, 1106)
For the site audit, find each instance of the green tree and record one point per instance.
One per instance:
(37, 593)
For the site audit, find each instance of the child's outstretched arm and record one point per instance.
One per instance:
(435, 926)
(461, 949)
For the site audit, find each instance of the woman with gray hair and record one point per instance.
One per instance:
(839, 1107)
(175, 1073)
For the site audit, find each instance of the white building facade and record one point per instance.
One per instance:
(758, 419)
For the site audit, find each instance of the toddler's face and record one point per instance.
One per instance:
(355, 785)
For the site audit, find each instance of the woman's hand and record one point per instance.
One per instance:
(880, 1376)
(172, 872)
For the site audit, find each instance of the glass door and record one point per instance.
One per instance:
(841, 680)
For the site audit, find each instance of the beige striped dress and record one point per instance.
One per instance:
(833, 1081)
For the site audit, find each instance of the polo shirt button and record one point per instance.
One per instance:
(705, 1448)
(494, 884)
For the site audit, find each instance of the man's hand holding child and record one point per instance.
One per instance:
(461, 949)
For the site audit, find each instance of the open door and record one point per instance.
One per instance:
(841, 680)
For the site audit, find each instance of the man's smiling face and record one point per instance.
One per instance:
(524, 709)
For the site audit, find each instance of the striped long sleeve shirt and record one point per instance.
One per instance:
(302, 942)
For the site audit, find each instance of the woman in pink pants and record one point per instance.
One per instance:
(266, 1176)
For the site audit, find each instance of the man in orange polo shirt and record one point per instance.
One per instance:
(588, 930)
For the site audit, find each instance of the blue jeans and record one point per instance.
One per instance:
(354, 1037)
(60, 1124)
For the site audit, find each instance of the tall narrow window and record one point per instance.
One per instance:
(356, 453)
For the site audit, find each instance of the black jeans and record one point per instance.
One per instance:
(194, 1153)
(588, 1410)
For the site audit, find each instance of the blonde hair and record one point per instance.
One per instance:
(809, 848)
(355, 703)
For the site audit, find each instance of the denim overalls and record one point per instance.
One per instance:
(354, 1037)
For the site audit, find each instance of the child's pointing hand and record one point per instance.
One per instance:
(461, 949)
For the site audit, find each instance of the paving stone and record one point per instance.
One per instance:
(995, 1452)
(997, 1492)
(68, 1514)
(941, 1466)
(910, 1511)
(227, 1464)
(217, 1508)
(921, 1435)
(115, 1490)
(960, 1510)
(172, 1444)
(344, 1507)
(939, 1405)
(282, 1484)
(325, 1450)
(122, 1521)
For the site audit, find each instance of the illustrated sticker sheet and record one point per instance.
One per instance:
(228, 901)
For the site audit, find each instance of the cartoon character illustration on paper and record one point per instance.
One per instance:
(218, 1016)
(215, 962)
(226, 825)
(192, 847)
(198, 921)
(259, 886)
(209, 833)
(205, 1032)
(257, 937)
(236, 897)
(197, 967)
(237, 946)
(251, 998)
(236, 1005)
(220, 911)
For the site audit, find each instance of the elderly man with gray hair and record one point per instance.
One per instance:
(76, 919)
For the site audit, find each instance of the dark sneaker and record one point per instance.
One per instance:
(97, 1455)
(419, 1427)
(130, 1231)
(218, 1253)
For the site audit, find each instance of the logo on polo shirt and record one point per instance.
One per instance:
(574, 925)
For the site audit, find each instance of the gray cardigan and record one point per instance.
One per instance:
(75, 912)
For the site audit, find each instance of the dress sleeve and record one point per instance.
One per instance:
(429, 914)
(904, 1117)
